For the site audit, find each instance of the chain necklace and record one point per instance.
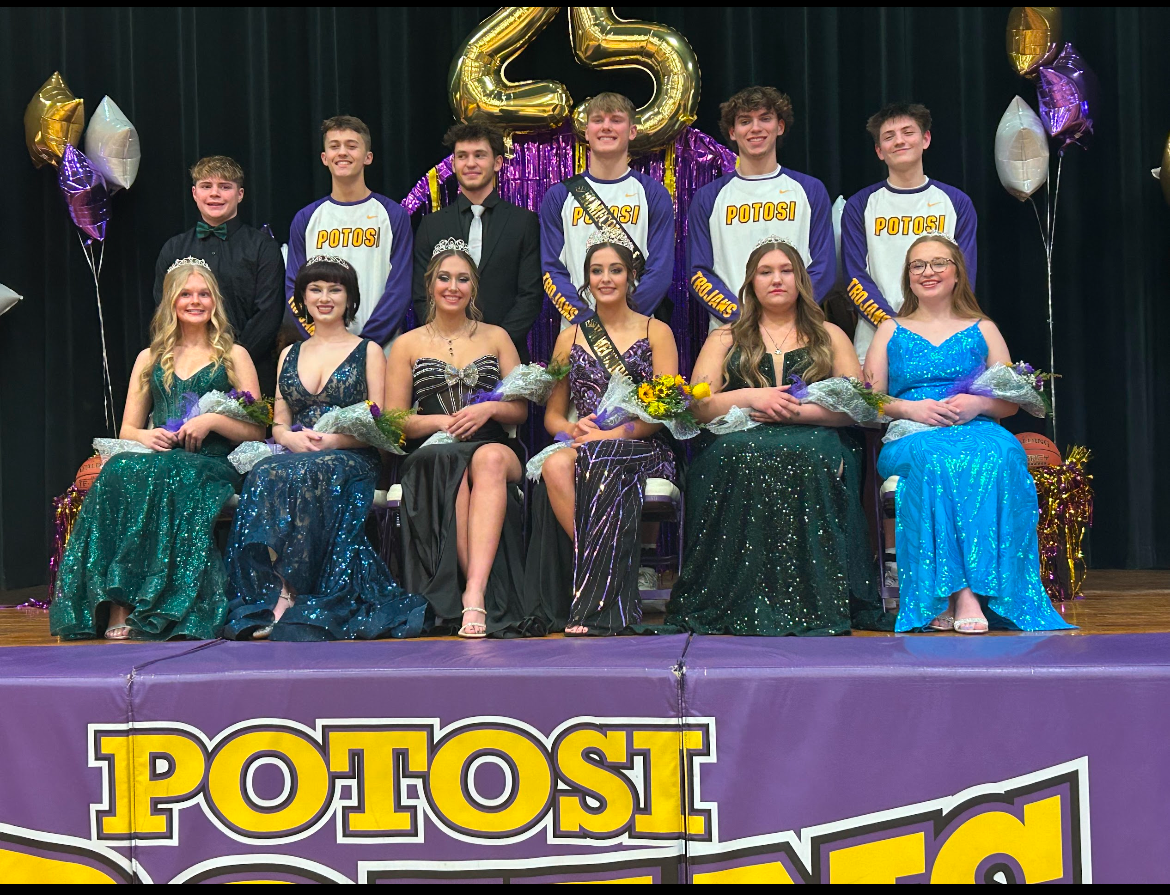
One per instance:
(779, 349)
(450, 341)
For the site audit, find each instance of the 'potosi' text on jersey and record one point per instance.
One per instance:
(878, 227)
(730, 216)
(375, 238)
(643, 208)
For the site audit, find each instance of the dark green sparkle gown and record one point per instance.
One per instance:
(776, 541)
(143, 538)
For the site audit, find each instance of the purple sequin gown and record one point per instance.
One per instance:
(595, 581)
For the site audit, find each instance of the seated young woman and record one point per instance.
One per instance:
(141, 563)
(776, 542)
(299, 562)
(966, 505)
(582, 573)
(461, 515)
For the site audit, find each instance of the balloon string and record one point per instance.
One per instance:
(108, 389)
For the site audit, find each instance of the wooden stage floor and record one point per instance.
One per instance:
(1114, 602)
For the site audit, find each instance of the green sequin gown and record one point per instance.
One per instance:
(143, 538)
(776, 541)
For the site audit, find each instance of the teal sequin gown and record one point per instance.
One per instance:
(966, 503)
(775, 539)
(143, 538)
(309, 511)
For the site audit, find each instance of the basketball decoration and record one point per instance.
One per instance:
(88, 472)
(1040, 450)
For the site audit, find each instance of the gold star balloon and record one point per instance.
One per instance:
(53, 120)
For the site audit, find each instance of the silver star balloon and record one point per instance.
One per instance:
(112, 146)
(8, 299)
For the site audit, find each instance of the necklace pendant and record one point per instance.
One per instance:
(777, 352)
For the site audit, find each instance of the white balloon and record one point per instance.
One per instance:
(112, 145)
(8, 299)
(1021, 150)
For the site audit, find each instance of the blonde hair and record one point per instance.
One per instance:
(221, 166)
(165, 329)
(611, 102)
(810, 324)
(432, 274)
(963, 299)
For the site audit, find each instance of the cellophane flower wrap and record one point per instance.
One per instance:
(840, 394)
(1021, 384)
(664, 399)
(367, 422)
(525, 382)
(108, 447)
(234, 404)
(250, 453)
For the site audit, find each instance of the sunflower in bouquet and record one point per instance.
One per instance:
(390, 422)
(671, 398)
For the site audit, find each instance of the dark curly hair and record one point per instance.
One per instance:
(753, 99)
(916, 111)
(321, 271)
(472, 132)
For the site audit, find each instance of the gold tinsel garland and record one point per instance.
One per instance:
(65, 510)
(1065, 493)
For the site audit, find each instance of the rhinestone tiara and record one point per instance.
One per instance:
(938, 234)
(199, 262)
(451, 245)
(771, 240)
(331, 259)
(611, 235)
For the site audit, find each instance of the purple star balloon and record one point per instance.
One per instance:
(1068, 97)
(85, 193)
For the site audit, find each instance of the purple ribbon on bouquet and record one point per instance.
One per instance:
(965, 385)
(189, 404)
(496, 394)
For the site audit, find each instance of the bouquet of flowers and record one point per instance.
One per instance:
(236, 405)
(1020, 383)
(528, 382)
(839, 394)
(367, 422)
(664, 399)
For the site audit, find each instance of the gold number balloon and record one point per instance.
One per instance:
(602, 40)
(53, 120)
(1033, 37)
(477, 84)
(1164, 173)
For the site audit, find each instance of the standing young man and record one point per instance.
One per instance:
(608, 196)
(730, 216)
(882, 220)
(245, 261)
(368, 230)
(504, 238)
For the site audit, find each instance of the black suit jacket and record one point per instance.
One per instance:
(509, 270)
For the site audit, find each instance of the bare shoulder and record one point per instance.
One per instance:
(240, 354)
(565, 341)
(835, 332)
(989, 329)
(659, 330)
(886, 328)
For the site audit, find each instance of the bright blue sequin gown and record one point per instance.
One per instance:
(966, 503)
(309, 512)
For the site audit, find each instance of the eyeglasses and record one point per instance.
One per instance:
(938, 265)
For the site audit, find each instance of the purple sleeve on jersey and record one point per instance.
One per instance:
(965, 227)
(296, 253)
(555, 279)
(719, 299)
(659, 272)
(822, 266)
(386, 318)
(862, 290)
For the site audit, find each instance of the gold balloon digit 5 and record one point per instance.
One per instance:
(602, 40)
(477, 83)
